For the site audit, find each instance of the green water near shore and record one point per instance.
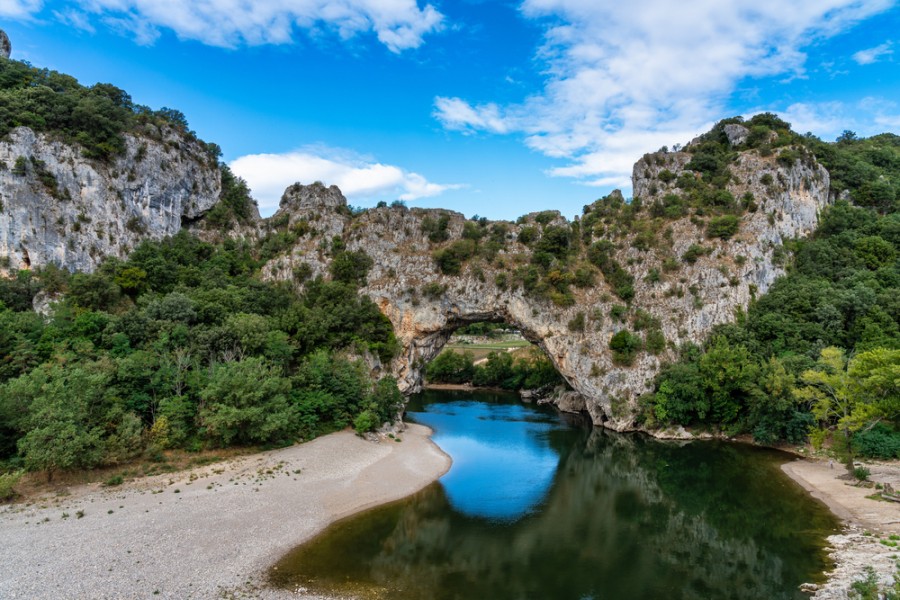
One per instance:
(539, 505)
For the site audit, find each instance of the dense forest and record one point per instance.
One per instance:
(820, 352)
(182, 346)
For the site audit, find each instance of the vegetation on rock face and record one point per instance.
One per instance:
(820, 352)
(182, 346)
(95, 118)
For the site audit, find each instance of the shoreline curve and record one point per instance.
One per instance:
(208, 532)
(865, 523)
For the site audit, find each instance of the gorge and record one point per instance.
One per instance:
(433, 270)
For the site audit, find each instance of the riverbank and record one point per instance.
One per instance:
(869, 523)
(208, 532)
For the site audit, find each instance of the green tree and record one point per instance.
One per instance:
(67, 410)
(247, 402)
(451, 367)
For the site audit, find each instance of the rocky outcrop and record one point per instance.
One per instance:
(58, 207)
(5, 46)
(426, 306)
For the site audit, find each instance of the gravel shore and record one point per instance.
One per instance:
(209, 532)
(868, 523)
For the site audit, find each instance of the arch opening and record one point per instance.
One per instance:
(492, 352)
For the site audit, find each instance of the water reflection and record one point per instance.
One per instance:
(624, 517)
(503, 464)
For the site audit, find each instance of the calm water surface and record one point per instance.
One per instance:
(540, 506)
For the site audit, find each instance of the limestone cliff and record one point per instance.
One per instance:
(686, 298)
(58, 207)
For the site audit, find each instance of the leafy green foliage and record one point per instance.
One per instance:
(183, 346)
(235, 203)
(351, 267)
(868, 167)
(96, 117)
(436, 229)
(246, 402)
(530, 370)
(722, 227)
(8, 482)
(621, 280)
(625, 346)
(451, 367)
(450, 259)
(879, 441)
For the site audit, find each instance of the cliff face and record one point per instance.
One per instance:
(688, 299)
(58, 207)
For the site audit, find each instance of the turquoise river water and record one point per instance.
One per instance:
(538, 505)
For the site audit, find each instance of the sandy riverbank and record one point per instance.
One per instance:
(867, 522)
(204, 533)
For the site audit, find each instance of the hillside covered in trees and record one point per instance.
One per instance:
(182, 346)
(820, 352)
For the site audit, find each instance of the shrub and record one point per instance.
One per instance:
(8, 483)
(787, 158)
(528, 235)
(666, 176)
(351, 267)
(433, 290)
(617, 312)
(693, 253)
(20, 168)
(577, 323)
(722, 227)
(545, 217)
(625, 347)
(114, 481)
(450, 259)
(878, 442)
(584, 277)
(436, 229)
(365, 422)
(861, 473)
(656, 341)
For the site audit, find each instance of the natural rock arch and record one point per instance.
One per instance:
(425, 305)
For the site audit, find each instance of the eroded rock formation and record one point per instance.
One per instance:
(686, 298)
(58, 207)
(5, 45)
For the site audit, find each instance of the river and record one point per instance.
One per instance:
(539, 505)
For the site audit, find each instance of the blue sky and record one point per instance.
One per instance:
(489, 108)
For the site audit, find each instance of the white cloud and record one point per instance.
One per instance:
(829, 119)
(398, 24)
(873, 55)
(269, 174)
(19, 9)
(625, 78)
